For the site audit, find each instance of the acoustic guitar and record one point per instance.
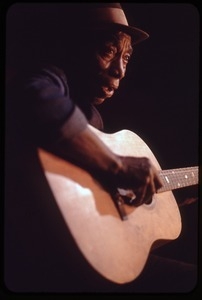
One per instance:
(116, 241)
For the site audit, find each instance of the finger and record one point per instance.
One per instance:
(146, 193)
(156, 179)
(140, 194)
(151, 183)
(158, 183)
(149, 194)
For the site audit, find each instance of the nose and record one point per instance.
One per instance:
(117, 68)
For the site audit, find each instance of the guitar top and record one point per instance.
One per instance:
(116, 248)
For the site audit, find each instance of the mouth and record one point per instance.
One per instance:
(104, 90)
(108, 90)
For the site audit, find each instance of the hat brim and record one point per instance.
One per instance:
(136, 34)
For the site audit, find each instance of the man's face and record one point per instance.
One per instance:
(108, 66)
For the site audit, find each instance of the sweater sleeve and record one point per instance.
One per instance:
(51, 113)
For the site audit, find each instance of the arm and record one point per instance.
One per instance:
(59, 126)
(85, 149)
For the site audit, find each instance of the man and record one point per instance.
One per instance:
(57, 93)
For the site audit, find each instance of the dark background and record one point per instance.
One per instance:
(159, 99)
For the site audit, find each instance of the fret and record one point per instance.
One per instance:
(178, 178)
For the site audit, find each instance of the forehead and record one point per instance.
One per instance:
(116, 38)
(121, 38)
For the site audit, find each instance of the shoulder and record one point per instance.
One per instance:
(47, 77)
(55, 73)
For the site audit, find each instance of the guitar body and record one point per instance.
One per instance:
(116, 249)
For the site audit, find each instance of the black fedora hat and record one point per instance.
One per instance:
(111, 16)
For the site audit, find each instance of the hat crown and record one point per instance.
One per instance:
(106, 13)
(109, 15)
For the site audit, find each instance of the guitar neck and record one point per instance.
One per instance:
(178, 178)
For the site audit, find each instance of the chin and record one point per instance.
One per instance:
(98, 101)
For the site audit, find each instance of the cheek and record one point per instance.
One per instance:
(100, 63)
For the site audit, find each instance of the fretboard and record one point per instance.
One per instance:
(178, 178)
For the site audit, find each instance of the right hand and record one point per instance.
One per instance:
(139, 175)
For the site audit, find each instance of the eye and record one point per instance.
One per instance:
(126, 57)
(109, 51)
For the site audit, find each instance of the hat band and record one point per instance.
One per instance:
(112, 15)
